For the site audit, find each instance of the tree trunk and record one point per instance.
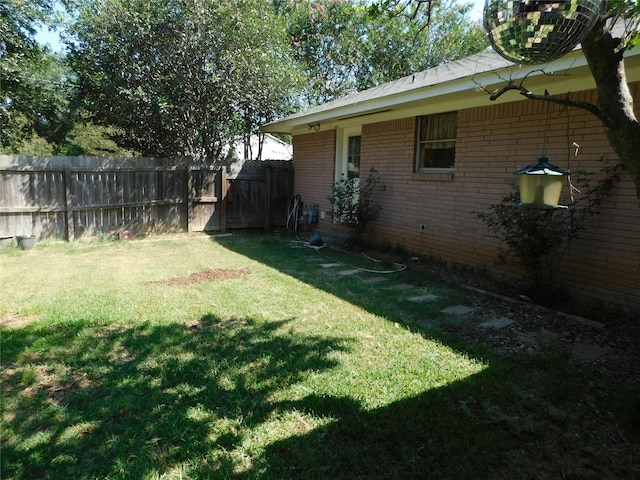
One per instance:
(605, 59)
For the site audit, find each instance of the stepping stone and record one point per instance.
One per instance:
(349, 272)
(497, 323)
(458, 310)
(400, 286)
(330, 265)
(588, 352)
(542, 335)
(374, 280)
(427, 297)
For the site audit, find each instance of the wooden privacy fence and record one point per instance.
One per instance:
(72, 197)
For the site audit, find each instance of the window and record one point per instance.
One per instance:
(353, 157)
(436, 143)
(348, 145)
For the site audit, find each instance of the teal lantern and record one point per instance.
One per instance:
(541, 185)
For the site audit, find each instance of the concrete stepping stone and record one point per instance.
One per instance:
(588, 352)
(374, 280)
(497, 323)
(400, 287)
(427, 297)
(458, 310)
(542, 335)
(349, 272)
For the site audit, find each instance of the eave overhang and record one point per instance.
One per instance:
(465, 83)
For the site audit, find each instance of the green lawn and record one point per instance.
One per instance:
(242, 357)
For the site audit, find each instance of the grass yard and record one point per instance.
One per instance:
(249, 357)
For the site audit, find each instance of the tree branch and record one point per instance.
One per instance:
(525, 92)
(566, 101)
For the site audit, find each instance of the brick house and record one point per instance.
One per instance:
(427, 203)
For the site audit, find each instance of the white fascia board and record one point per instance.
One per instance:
(569, 73)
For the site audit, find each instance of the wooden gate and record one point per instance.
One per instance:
(206, 209)
(258, 195)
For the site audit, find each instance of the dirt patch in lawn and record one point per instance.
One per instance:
(206, 275)
(15, 320)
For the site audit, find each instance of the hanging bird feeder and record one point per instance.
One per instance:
(541, 185)
(534, 32)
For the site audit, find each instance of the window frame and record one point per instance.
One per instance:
(342, 151)
(421, 142)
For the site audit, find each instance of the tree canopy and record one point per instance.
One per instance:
(186, 77)
(353, 45)
(33, 95)
(180, 78)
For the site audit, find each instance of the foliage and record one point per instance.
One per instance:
(91, 140)
(18, 137)
(181, 78)
(538, 239)
(353, 203)
(33, 90)
(628, 12)
(353, 45)
(407, 42)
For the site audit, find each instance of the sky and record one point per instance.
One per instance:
(476, 13)
(45, 37)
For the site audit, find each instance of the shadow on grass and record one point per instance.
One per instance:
(466, 430)
(134, 401)
(188, 401)
(524, 417)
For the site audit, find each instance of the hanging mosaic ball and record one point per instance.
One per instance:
(533, 32)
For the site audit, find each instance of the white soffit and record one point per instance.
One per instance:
(452, 86)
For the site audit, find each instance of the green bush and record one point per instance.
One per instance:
(538, 239)
(354, 205)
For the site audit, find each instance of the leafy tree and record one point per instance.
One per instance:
(91, 140)
(325, 38)
(352, 45)
(414, 36)
(19, 137)
(33, 94)
(181, 77)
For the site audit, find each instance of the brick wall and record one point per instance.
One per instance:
(314, 166)
(431, 214)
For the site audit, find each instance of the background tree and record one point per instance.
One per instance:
(181, 78)
(353, 45)
(34, 102)
(413, 37)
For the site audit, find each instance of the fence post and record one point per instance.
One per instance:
(224, 188)
(267, 192)
(68, 199)
(189, 196)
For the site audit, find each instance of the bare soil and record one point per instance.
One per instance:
(15, 320)
(206, 275)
